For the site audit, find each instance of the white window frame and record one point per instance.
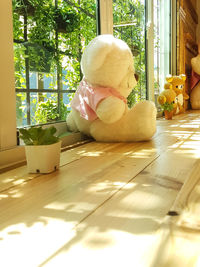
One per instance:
(150, 47)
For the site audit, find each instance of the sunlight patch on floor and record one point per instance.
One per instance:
(107, 186)
(16, 238)
(92, 154)
(143, 153)
(109, 248)
(2, 196)
(195, 126)
(77, 207)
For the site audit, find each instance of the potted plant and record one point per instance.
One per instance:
(24, 7)
(42, 149)
(66, 19)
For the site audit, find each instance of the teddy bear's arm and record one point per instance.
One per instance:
(110, 109)
(185, 96)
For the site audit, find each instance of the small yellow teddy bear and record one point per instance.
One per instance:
(167, 100)
(178, 83)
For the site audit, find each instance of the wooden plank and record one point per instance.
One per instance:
(180, 235)
(187, 4)
(45, 210)
(190, 24)
(106, 238)
(181, 42)
(123, 230)
(187, 24)
(192, 43)
(107, 201)
(194, 4)
(20, 175)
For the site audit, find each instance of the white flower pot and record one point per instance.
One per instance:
(43, 159)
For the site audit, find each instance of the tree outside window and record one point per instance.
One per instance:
(49, 38)
(129, 25)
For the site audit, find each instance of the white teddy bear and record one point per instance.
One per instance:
(99, 107)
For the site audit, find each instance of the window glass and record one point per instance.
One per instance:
(49, 38)
(162, 41)
(129, 25)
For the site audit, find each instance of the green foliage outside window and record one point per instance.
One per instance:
(48, 112)
(49, 38)
(129, 25)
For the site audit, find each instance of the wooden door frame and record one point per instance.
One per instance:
(187, 20)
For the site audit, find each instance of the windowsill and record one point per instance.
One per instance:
(16, 156)
(159, 114)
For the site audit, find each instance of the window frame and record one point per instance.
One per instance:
(10, 153)
(150, 47)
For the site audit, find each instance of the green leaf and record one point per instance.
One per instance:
(167, 106)
(38, 136)
(25, 136)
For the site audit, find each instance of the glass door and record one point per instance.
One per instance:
(145, 25)
(129, 25)
(162, 43)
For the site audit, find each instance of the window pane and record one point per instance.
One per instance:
(21, 109)
(20, 70)
(129, 25)
(162, 48)
(44, 108)
(49, 38)
(65, 105)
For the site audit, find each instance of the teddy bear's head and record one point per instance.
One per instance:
(167, 96)
(108, 62)
(195, 62)
(177, 82)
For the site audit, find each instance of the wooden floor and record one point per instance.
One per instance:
(120, 204)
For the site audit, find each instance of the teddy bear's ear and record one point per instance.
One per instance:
(96, 52)
(161, 99)
(136, 77)
(169, 78)
(183, 77)
(168, 86)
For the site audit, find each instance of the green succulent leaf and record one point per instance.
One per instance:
(167, 106)
(39, 136)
